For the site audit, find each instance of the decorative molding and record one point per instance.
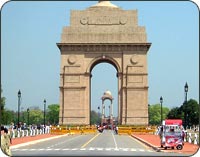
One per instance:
(102, 47)
(72, 59)
(73, 87)
(134, 59)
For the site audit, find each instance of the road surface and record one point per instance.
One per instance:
(99, 144)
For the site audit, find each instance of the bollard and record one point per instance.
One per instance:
(185, 139)
(47, 129)
(13, 134)
(26, 133)
(31, 132)
(40, 131)
(190, 138)
(195, 138)
(18, 133)
(22, 133)
(37, 132)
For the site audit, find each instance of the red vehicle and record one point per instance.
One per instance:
(172, 134)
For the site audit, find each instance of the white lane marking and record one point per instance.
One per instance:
(57, 149)
(48, 149)
(41, 149)
(32, 149)
(114, 140)
(108, 149)
(133, 150)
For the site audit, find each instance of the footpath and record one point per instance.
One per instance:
(154, 142)
(22, 141)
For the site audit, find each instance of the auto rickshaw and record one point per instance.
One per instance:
(172, 134)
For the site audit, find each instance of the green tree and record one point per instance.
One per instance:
(190, 111)
(94, 118)
(53, 114)
(155, 114)
(175, 113)
(9, 117)
(36, 117)
(3, 102)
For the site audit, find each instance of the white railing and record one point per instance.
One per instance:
(192, 138)
(32, 132)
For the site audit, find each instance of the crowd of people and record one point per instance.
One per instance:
(7, 134)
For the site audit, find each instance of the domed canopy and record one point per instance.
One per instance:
(105, 4)
(107, 95)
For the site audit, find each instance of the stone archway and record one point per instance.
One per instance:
(98, 35)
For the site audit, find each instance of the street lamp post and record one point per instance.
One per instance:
(19, 98)
(161, 114)
(185, 102)
(28, 116)
(44, 113)
(98, 114)
(186, 90)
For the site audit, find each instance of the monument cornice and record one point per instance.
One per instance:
(103, 47)
(72, 87)
(136, 88)
(136, 74)
(71, 74)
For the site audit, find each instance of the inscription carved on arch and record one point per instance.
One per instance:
(103, 20)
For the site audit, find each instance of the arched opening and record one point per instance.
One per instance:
(103, 78)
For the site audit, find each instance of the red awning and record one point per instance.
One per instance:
(173, 122)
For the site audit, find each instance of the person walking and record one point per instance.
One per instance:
(116, 129)
(5, 141)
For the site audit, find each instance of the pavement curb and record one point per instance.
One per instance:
(36, 141)
(147, 143)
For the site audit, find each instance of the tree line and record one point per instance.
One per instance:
(188, 112)
(35, 116)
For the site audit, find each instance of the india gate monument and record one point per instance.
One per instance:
(105, 33)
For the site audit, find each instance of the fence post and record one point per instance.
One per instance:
(190, 138)
(22, 133)
(31, 132)
(195, 138)
(26, 133)
(13, 133)
(18, 133)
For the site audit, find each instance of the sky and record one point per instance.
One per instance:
(30, 59)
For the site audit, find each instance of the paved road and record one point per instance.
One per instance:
(100, 144)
